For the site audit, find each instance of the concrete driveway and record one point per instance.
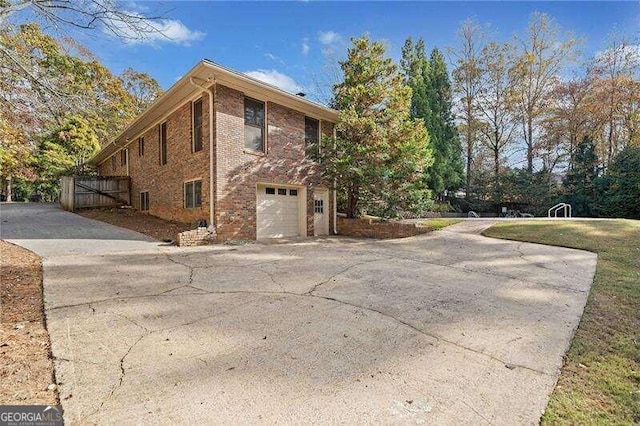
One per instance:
(449, 327)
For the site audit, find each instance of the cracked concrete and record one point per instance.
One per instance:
(449, 327)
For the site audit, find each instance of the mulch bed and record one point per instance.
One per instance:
(26, 367)
(153, 226)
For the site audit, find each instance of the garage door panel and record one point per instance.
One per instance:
(277, 215)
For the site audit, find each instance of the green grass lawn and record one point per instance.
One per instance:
(438, 223)
(600, 381)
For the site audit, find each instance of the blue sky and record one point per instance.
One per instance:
(290, 43)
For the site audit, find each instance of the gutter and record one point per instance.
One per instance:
(335, 191)
(210, 94)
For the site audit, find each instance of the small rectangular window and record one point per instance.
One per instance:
(140, 147)
(163, 143)
(144, 201)
(123, 157)
(282, 191)
(293, 192)
(254, 125)
(193, 194)
(270, 191)
(197, 126)
(318, 206)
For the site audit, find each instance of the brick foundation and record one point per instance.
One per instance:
(375, 228)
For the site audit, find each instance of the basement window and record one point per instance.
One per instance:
(193, 194)
(144, 201)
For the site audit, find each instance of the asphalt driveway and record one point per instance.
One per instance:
(449, 327)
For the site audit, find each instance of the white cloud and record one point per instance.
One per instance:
(275, 78)
(305, 46)
(175, 31)
(626, 54)
(151, 31)
(328, 37)
(274, 58)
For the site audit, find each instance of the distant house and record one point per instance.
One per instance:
(242, 168)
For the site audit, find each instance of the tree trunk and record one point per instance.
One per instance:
(469, 154)
(529, 145)
(352, 201)
(496, 174)
(9, 189)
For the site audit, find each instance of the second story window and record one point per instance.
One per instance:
(163, 143)
(311, 131)
(196, 144)
(123, 157)
(140, 147)
(253, 125)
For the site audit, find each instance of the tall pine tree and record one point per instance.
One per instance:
(379, 150)
(432, 102)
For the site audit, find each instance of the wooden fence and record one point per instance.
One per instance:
(77, 192)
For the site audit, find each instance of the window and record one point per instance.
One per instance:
(270, 191)
(282, 191)
(140, 147)
(123, 157)
(318, 206)
(311, 131)
(196, 144)
(144, 201)
(193, 194)
(113, 162)
(293, 192)
(163, 143)
(253, 125)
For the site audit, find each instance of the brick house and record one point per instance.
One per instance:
(243, 168)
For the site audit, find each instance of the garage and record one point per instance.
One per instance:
(278, 211)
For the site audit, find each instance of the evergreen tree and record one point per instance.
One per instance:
(579, 183)
(621, 185)
(432, 102)
(446, 173)
(380, 150)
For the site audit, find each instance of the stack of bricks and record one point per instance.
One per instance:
(195, 237)
(372, 228)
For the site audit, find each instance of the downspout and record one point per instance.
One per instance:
(335, 192)
(210, 94)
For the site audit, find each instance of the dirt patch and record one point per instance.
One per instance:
(26, 367)
(153, 226)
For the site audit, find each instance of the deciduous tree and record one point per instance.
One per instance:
(467, 84)
(542, 54)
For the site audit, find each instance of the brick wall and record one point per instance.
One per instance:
(371, 228)
(165, 183)
(238, 171)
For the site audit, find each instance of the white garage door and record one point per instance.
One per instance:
(277, 212)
